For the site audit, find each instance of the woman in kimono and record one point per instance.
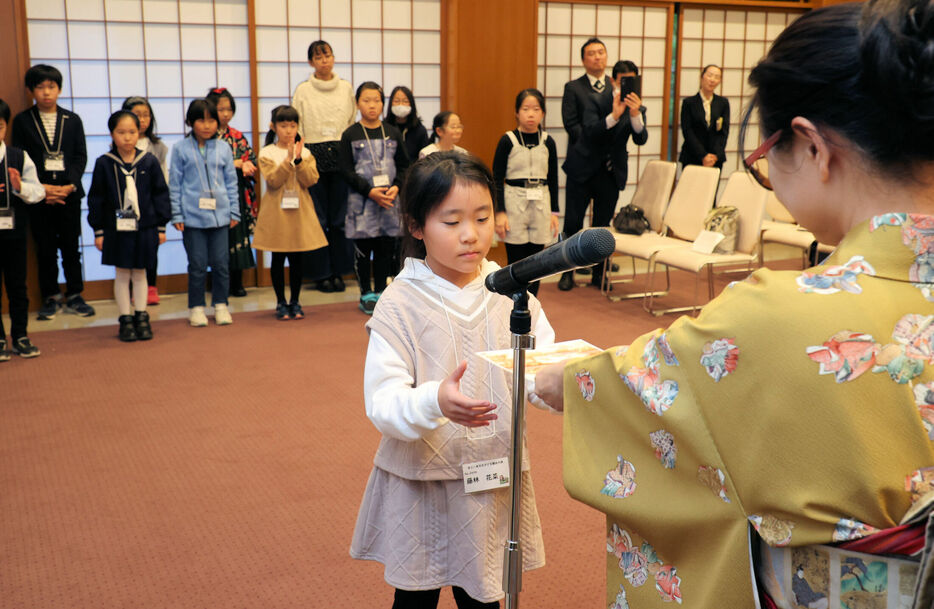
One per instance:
(769, 467)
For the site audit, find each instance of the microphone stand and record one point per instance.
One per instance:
(520, 325)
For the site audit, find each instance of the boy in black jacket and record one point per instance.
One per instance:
(54, 138)
(18, 186)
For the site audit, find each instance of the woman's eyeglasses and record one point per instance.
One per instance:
(756, 163)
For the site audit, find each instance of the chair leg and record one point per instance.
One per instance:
(616, 296)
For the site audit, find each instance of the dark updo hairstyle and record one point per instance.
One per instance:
(412, 119)
(624, 65)
(319, 47)
(530, 93)
(131, 102)
(368, 86)
(199, 109)
(115, 119)
(280, 114)
(217, 93)
(440, 122)
(428, 183)
(864, 70)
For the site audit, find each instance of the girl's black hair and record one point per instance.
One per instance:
(530, 93)
(369, 86)
(440, 122)
(4, 111)
(131, 102)
(412, 119)
(115, 119)
(843, 66)
(280, 114)
(318, 47)
(217, 93)
(624, 65)
(428, 183)
(198, 109)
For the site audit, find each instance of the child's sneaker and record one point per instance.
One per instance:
(152, 295)
(76, 305)
(222, 315)
(5, 353)
(295, 311)
(49, 308)
(197, 318)
(24, 348)
(368, 302)
(282, 312)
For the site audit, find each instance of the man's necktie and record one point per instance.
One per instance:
(598, 86)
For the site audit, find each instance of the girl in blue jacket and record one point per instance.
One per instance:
(203, 189)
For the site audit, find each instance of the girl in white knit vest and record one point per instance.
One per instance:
(438, 406)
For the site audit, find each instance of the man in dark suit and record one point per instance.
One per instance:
(705, 123)
(599, 122)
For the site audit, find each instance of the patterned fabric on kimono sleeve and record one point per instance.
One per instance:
(641, 454)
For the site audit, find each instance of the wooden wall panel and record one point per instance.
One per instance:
(488, 50)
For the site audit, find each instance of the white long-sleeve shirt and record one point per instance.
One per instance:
(394, 404)
(31, 190)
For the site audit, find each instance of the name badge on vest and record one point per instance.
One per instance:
(7, 221)
(207, 201)
(290, 199)
(381, 180)
(126, 221)
(54, 161)
(486, 475)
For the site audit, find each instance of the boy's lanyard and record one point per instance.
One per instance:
(6, 182)
(46, 143)
(206, 179)
(370, 146)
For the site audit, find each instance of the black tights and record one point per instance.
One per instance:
(517, 251)
(382, 249)
(277, 273)
(428, 599)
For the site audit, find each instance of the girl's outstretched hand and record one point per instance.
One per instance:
(459, 408)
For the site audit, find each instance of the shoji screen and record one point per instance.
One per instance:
(735, 40)
(636, 33)
(391, 42)
(170, 51)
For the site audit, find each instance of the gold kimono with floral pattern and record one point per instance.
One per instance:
(797, 404)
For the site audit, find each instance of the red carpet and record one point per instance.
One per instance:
(223, 467)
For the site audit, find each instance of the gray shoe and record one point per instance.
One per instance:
(76, 305)
(49, 308)
(24, 348)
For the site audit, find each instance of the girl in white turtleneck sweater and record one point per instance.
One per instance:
(326, 107)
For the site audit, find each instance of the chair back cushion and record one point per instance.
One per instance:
(745, 194)
(654, 190)
(692, 199)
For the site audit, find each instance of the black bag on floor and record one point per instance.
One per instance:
(631, 221)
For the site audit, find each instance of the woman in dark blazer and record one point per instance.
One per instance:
(705, 138)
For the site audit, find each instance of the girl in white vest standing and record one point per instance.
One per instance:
(442, 410)
(525, 169)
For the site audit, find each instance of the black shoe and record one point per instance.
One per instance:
(24, 348)
(325, 285)
(615, 267)
(141, 325)
(76, 305)
(338, 283)
(238, 291)
(5, 353)
(566, 282)
(295, 311)
(282, 312)
(127, 332)
(49, 308)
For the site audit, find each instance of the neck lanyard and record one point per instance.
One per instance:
(6, 180)
(205, 181)
(370, 144)
(119, 164)
(45, 136)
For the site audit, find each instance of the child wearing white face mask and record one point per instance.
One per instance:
(403, 115)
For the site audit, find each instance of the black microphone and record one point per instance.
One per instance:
(583, 249)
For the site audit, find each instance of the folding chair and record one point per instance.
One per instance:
(683, 220)
(748, 197)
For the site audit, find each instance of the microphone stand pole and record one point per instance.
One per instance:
(520, 325)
